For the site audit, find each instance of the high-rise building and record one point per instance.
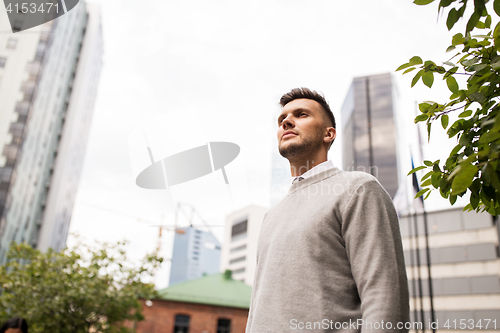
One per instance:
(369, 129)
(239, 251)
(463, 247)
(196, 253)
(48, 87)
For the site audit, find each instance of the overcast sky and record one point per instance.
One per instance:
(178, 74)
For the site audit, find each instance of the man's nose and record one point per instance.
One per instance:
(287, 123)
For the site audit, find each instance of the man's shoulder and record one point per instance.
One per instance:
(353, 177)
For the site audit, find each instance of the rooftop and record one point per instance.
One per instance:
(218, 289)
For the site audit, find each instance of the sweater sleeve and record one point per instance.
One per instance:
(370, 229)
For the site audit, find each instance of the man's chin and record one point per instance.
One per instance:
(290, 151)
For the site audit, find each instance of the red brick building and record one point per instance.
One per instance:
(212, 304)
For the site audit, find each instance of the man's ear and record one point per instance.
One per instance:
(330, 135)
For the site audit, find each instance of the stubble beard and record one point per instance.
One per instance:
(295, 151)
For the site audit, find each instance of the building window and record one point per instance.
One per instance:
(237, 271)
(181, 324)
(239, 248)
(223, 325)
(3, 60)
(17, 26)
(239, 230)
(11, 43)
(233, 261)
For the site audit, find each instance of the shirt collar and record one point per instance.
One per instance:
(316, 169)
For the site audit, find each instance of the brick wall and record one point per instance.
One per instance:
(160, 317)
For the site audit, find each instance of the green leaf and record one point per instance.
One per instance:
(416, 169)
(421, 117)
(451, 71)
(453, 17)
(428, 182)
(427, 175)
(403, 66)
(489, 137)
(443, 183)
(453, 199)
(417, 77)
(415, 61)
(468, 208)
(421, 192)
(445, 3)
(422, 2)
(463, 179)
(444, 121)
(452, 84)
(428, 78)
(435, 179)
(424, 107)
(456, 149)
(457, 39)
(464, 140)
(465, 114)
(450, 48)
(409, 70)
(496, 35)
(473, 20)
(487, 22)
(479, 7)
(496, 7)
(477, 68)
(474, 201)
(470, 62)
(476, 97)
(489, 172)
(428, 163)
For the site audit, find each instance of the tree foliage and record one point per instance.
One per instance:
(473, 164)
(73, 291)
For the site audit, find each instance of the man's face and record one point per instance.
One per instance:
(13, 330)
(302, 128)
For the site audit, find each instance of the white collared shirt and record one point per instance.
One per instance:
(316, 169)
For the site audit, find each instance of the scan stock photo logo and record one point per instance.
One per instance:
(26, 14)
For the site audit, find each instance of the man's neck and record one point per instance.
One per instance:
(299, 167)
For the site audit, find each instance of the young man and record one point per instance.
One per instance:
(329, 255)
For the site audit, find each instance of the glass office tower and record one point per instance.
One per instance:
(196, 253)
(369, 129)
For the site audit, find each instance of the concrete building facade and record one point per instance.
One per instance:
(239, 250)
(53, 75)
(465, 267)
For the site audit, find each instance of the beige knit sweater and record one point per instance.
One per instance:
(330, 259)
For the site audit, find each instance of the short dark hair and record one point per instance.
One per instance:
(15, 323)
(298, 93)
